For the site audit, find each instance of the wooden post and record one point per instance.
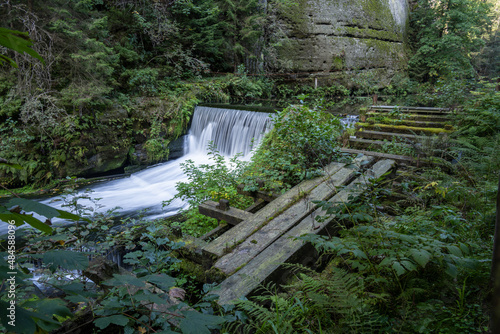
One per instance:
(495, 272)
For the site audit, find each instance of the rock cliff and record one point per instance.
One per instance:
(334, 37)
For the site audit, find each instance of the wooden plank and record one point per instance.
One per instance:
(232, 216)
(363, 143)
(243, 230)
(416, 110)
(404, 159)
(387, 135)
(412, 123)
(415, 117)
(258, 241)
(409, 107)
(269, 261)
(392, 128)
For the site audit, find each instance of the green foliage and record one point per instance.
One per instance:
(17, 41)
(212, 181)
(445, 33)
(302, 141)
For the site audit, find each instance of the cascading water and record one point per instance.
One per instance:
(232, 131)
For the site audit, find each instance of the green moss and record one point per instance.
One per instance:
(379, 11)
(404, 128)
(338, 63)
(192, 269)
(375, 34)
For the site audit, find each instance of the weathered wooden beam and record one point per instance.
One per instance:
(243, 230)
(414, 117)
(232, 215)
(387, 135)
(417, 110)
(404, 159)
(269, 261)
(258, 241)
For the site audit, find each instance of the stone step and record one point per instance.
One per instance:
(227, 241)
(280, 224)
(287, 248)
(401, 129)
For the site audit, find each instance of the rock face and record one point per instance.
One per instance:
(337, 36)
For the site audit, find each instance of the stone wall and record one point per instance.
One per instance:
(328, 37)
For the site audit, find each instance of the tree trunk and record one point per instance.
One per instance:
(495, 272)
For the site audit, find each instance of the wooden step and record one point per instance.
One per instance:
(403, 159)
(231, 216)
(224, 243)
(412, 123)
(415, 117)
(388, 135)
(280, 224)
(367, 143)
(415, 110)
(402, 129)
(287, 247)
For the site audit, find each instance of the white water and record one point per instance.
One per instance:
(232, 131)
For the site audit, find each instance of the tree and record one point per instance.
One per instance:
(445, 33)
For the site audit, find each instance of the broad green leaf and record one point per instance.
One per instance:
(18, 41)
(45, 311)
(408, 265)
(150, 298)
(21, 219)
(66, 259)
(197, 323)
(421, 256)
(400, 270)
(163, 281)
(67, 215)
(23, 319)
(33, 206)
(451, 270)
(454, 250)
(119, 320)
(119, 280)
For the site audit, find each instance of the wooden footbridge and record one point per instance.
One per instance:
(257, 244)
(416, 128)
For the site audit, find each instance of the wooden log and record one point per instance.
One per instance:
(402, 129)
(256, 206)
(258, 241)
(243, 230)
(411, 123)
(387, 135)
(415, 117)
(364, 143)
(231, 216)
(403, 159)
(415, 110)
(269, 261)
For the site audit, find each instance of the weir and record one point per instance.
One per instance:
(232, 131)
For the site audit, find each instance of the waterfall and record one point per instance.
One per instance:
(232, 131)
